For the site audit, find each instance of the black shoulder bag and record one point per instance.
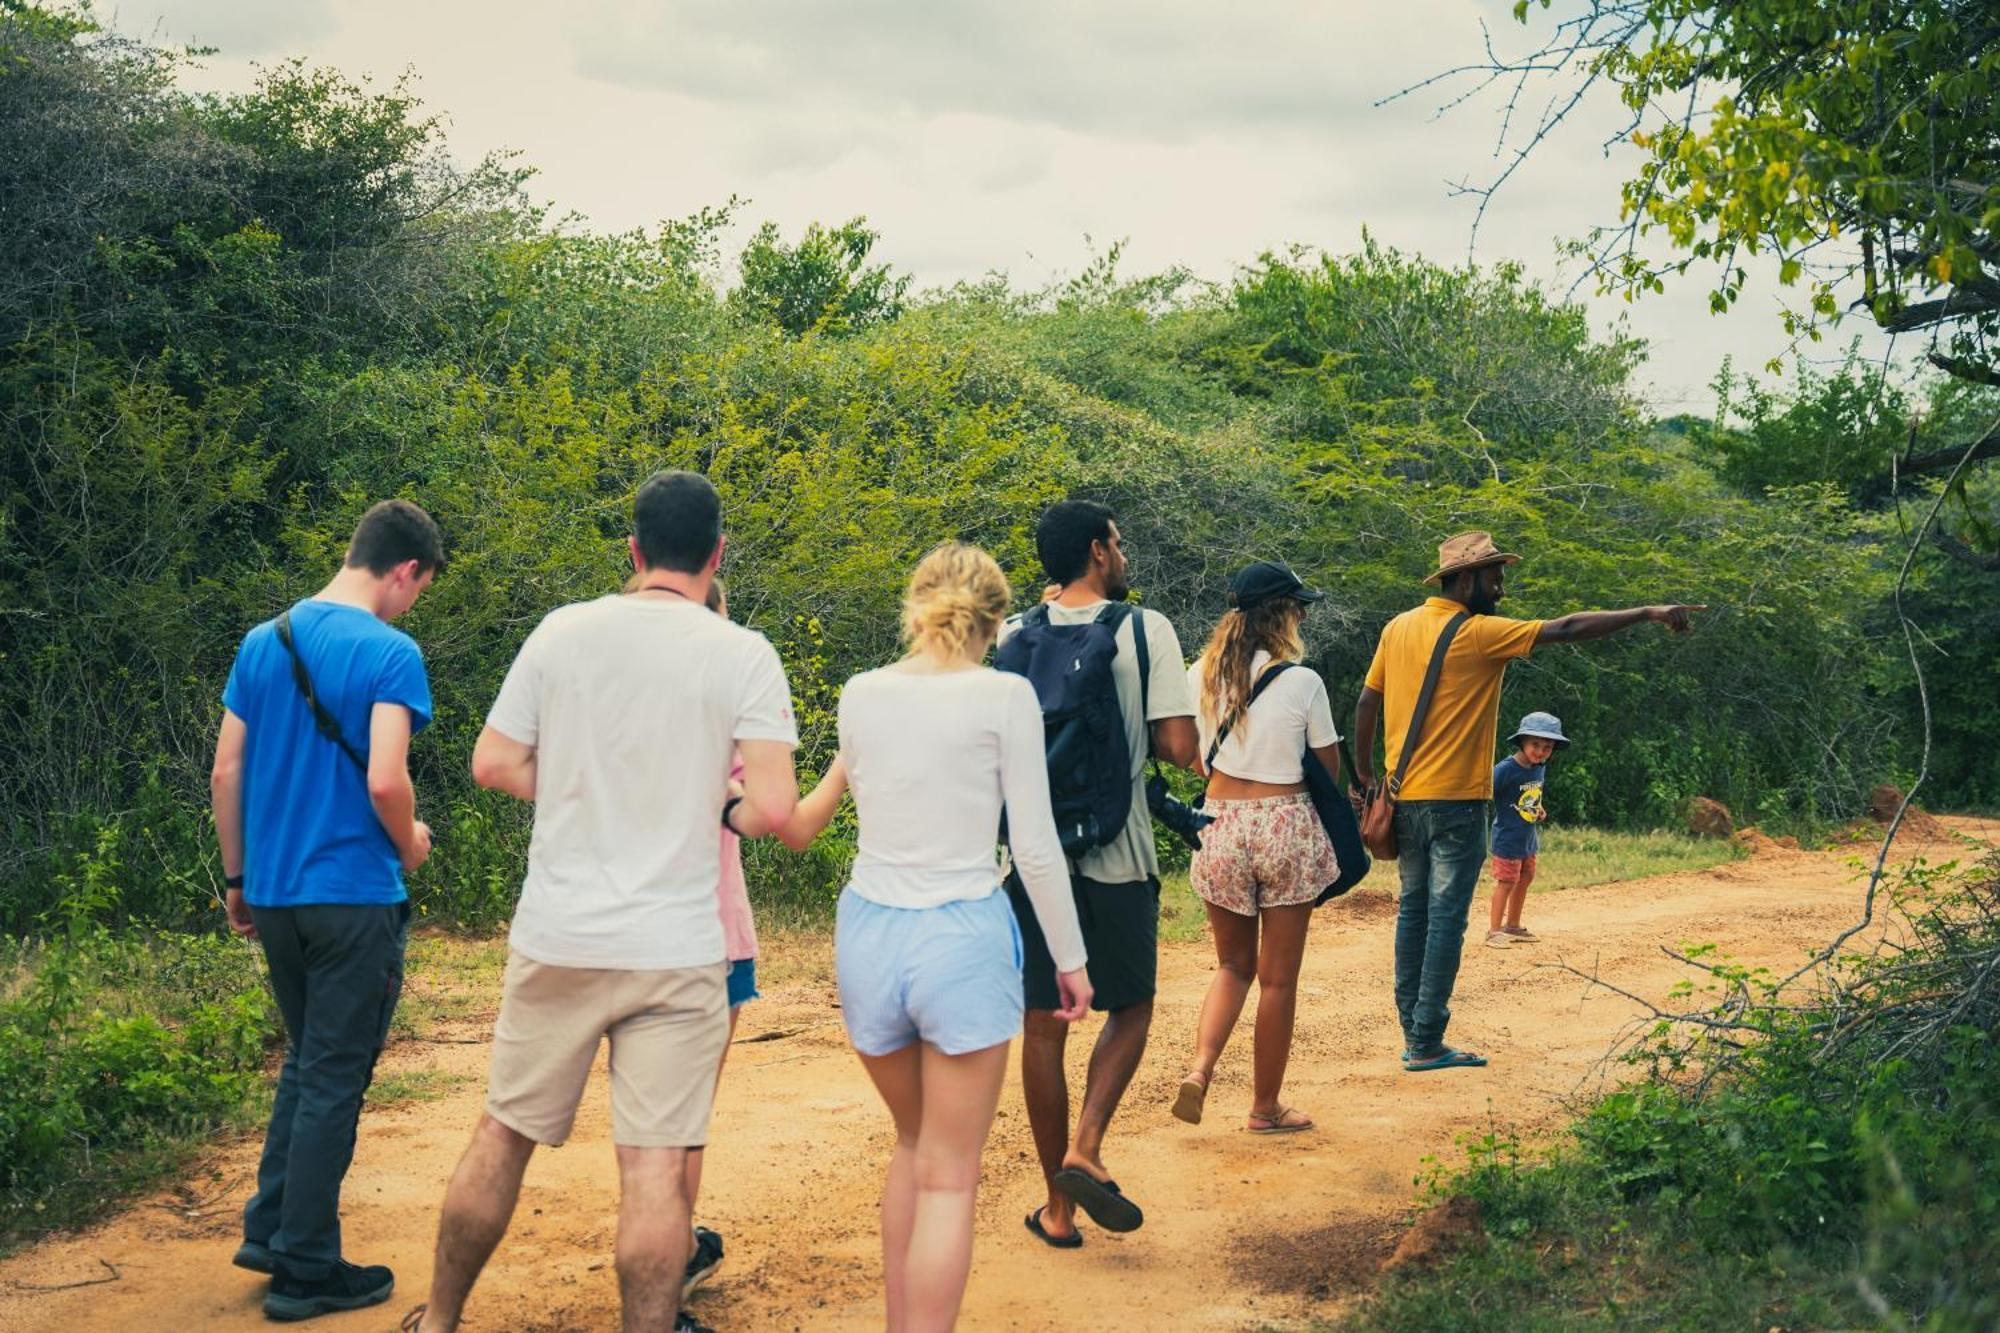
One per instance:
(328, 724)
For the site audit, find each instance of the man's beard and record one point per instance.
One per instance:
(1482, 602)
(1118, 589)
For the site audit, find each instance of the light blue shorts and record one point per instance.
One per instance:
(948, 975)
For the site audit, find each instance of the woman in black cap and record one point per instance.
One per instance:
(1266, 858)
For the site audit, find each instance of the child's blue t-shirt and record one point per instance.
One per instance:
(310, 834)
(1517, 808)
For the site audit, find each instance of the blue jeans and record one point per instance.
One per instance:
(1443, 845)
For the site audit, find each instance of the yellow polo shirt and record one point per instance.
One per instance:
(1454, 758)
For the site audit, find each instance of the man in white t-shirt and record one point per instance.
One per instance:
(1116, 886)
(619, 719)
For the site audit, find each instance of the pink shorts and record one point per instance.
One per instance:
(1512, 871)
(1269, 852)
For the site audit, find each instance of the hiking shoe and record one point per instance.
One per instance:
(707, 1257)
(255, 1257)
(1498, 939)
(347, 1287)
(687, 1323)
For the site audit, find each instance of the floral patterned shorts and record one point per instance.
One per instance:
(1270, 852)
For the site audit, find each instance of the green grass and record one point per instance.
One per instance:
(413, 1085)
(1575, 858)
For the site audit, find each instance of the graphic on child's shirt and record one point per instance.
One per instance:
(1528, 805)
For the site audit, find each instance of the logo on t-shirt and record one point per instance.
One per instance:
(1528, 805)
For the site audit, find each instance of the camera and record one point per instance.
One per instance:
(1185, 821)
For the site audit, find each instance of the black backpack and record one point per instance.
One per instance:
(1083, 730)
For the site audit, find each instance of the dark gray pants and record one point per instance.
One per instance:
(337, 971)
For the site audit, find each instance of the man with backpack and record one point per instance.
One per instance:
(317, 820)
(1114, 692)
(1435, 682)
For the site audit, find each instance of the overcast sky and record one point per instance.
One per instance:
(978, 135)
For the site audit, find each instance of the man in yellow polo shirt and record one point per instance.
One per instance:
(1441, 811)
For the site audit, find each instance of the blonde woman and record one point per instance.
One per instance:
(925, 946)
(1266, 858)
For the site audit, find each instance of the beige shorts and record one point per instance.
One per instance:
(667, 1030)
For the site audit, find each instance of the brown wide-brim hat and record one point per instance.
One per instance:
(1469, 550)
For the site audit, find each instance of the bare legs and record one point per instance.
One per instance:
(1509, 897)
(1045, 1084)
(943, 1107)
(653, 1227)
(477, 1206)
(1275, 962)
(654, 1235)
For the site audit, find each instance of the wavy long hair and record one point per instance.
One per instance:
(957, 598)
(1271, 627)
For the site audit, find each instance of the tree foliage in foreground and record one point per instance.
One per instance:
(1857, 142)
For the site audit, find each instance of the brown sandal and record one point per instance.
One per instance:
(1279, 1121)
(1188, 1102)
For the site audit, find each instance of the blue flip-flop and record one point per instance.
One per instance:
(1444, 1059)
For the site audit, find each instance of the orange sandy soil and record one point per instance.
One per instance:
(1241, 1232)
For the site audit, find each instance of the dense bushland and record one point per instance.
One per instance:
(1784, 1158)
(230, 322)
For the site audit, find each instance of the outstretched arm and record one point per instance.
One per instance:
(1583, 626)
(815, 811)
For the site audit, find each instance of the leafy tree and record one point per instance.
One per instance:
(824, 282)
(1857, 141)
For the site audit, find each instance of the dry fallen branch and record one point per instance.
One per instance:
(110, 1268)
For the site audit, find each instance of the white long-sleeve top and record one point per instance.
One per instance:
(931, 758)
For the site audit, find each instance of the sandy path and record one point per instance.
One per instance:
(1241, 1231)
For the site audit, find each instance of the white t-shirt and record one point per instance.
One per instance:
(931, 758)
(1131, 856)
(1268, 742)
(634, 706)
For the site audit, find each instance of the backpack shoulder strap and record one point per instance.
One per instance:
(325, 721)
(1271, 673)
(1415, 733)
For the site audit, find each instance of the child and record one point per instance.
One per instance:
(1517, 809)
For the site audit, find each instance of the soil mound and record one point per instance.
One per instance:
(1445, 1230)
(1708, 818)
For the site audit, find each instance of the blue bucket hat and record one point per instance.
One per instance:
(1541, 726)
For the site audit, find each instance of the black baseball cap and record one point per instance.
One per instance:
(1266, 581)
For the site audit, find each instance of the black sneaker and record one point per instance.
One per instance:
(687, 1323)
(347, 1287)
(257, 1258)
(707, 1257)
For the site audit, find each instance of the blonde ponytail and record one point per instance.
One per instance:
(955, 603)
(1271, 627)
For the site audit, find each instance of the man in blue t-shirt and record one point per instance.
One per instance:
(317, 819)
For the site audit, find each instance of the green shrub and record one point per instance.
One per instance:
(117, 1053)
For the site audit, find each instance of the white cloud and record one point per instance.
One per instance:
(273, 28)
(978, 137)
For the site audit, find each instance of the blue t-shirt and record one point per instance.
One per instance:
(310, 834)
(1517, 808)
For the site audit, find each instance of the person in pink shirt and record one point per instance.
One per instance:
(739, 933)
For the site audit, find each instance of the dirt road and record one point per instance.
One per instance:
(1241, 1232)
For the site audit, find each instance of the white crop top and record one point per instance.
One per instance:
(1268, 740)
(931, 758)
